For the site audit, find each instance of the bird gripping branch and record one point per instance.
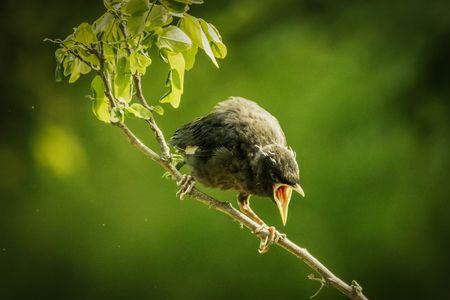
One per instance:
(240, 146)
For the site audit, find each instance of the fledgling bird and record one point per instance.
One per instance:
(240, 146)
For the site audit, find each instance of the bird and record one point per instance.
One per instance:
(240, 146)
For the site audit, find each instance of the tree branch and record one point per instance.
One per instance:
(353, 291)
(165, 150)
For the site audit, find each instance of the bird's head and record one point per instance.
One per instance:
(281, 175)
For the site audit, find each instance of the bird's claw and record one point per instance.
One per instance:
(273, 237)
(186, 185)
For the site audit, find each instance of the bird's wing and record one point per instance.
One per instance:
(233, 122)
(204, 135)
(252, 123)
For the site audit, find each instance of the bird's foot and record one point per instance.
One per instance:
(186, 185)
(273, 237)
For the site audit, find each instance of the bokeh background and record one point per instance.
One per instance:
(361, 89)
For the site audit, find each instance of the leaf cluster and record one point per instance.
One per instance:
(117, 45)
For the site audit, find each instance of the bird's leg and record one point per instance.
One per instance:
(244, 206)
(186, 185)
(274, 235)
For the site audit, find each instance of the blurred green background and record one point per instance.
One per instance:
(362, 92)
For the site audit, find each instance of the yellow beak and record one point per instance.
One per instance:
(282, 194)
(299, 189)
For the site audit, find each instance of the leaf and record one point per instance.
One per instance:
(137, 7)
(189, 56)
(176, 79)
(139, 111)
(218, 47)
(60, 54)
(173, 39)
(158, 109)
(104, 24)
(158, 17)
(58, 72)
(173, 97)
(67, 64)
(175, 8)
(92, 59)
(84, 34)
(83, 67)
(97, 87)
(122, 79)
(191, 25)
(75, 71)
(139, 63)
(137, 11)
(100, 104)
(177, 65)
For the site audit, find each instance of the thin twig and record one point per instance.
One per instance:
(165, 150)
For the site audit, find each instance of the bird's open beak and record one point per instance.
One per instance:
(282, 194)
(299, 189)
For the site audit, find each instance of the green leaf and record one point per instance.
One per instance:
(158, 109)
(139, 111)
(191, 25)
(137, 11)
(173, 39)
(92, 59)
(58, 72)
(158, 17)
(67, 64)
(189, 57)
(218, 47)
(122, 79)
(139, 63)
(136, 24)
(177, 66)
(75, 71)
(173, 96)
(97, 88)
(84, 34)
(175, 8)
(137, 7)
(84, 68)
(100, 104)
(60, 54)
(103, 24)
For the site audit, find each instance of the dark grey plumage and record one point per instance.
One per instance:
(238, 146)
